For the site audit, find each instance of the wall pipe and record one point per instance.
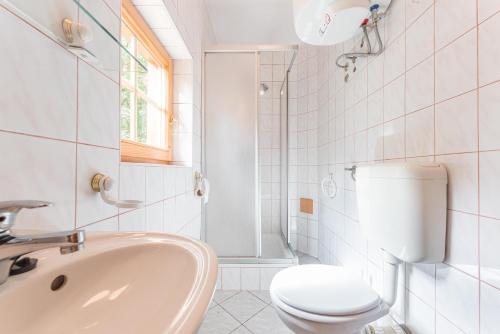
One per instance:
(375, 17)
(390, 278)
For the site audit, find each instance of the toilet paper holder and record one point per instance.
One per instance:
(201, 187)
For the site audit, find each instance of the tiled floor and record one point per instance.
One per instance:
(242, 312)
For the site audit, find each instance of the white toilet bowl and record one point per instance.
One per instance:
(325, 299)
(402, 209)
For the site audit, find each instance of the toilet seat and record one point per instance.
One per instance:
(321, 299)
(324, 293)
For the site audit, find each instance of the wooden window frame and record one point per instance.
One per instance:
(132, 151)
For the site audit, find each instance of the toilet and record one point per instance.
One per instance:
(402, 209)
(326, 299)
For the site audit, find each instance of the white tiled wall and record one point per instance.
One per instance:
(59, 125)
(247, 276)
(433, 95)
(184, 113)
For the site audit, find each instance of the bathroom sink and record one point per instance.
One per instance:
(119, 283)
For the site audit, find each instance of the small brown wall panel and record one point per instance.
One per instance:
(306, 205)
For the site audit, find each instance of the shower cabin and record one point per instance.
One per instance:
(245, 154)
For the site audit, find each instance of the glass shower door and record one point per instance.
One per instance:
(284, 215)
(232, 217)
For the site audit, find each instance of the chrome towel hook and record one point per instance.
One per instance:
(353, 172)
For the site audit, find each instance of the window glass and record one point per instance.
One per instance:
(143, 94)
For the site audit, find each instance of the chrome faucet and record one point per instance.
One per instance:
(12, 247)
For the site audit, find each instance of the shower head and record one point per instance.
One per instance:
(263, 88)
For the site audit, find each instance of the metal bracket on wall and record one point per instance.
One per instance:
(353, 172)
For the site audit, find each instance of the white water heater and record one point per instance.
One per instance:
(328, 22)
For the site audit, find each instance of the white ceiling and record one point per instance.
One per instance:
(252, 21)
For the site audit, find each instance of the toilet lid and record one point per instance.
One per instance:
(325, 290)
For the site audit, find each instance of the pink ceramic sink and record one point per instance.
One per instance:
(120, 283)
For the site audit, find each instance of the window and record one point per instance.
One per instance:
(145, 93)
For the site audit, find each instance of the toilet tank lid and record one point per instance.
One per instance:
(403, 170)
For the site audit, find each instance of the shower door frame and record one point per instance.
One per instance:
(258, 228)
(285, 167)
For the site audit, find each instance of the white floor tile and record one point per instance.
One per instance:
(212, 304)
(222, 295)
(241, 330)
(245, 312)
(218, 321)
(243, 306)
(262, 295)
(267, 321)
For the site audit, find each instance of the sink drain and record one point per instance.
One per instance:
(58, 282)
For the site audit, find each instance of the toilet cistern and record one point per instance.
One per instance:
(402, 209)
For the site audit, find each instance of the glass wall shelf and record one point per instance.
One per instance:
(94, 31)
(141, 66)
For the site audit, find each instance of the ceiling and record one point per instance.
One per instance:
(252, 21)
